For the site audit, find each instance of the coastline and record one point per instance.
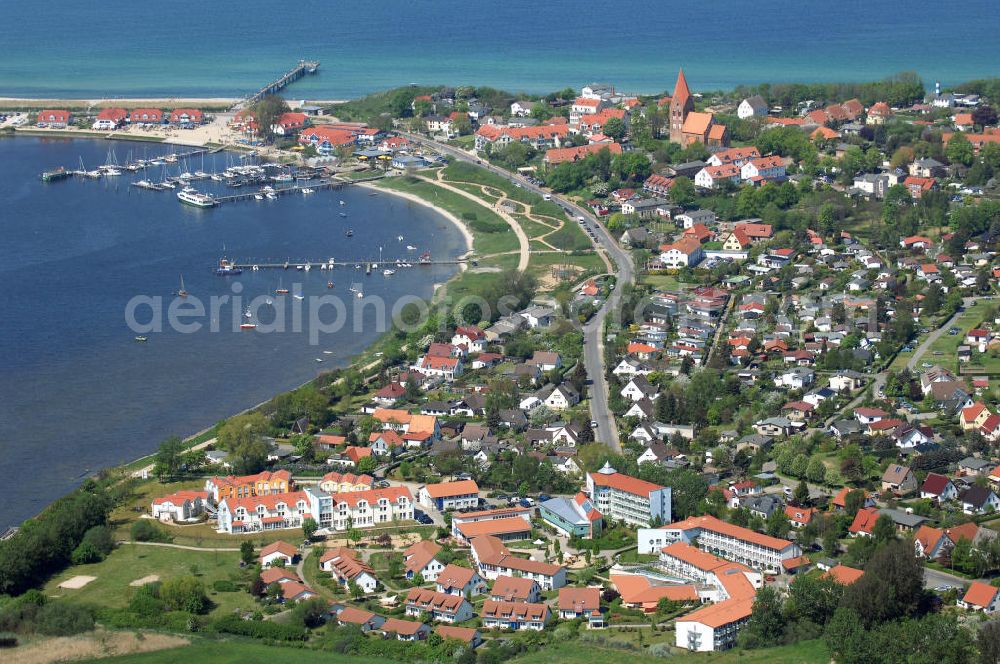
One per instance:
(363, 360)
(413, 198)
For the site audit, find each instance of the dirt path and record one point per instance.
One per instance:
(178, 546)
(522, 237)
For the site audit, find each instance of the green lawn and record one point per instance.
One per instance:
(948, 344)
(130, 562)
(483, 243)
(661, 281)
(581, 652)
(570, 238)
(236, 651)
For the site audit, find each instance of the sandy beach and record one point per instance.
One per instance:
(157, 102)
(413, 198)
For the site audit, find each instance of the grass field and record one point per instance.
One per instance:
(948, 344)
(580, 652)
(483, 243)
(130, 562)
(235, 651)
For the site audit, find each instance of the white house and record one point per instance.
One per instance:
(685, 252)
(752, 107)
(180, 506)
(711, 177)
(767, 168)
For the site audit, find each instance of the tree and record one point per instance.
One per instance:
(615, 129)
(355, 589)
(884, 530)
(777, 524)
(367, 464)
(167, 461)
(247, 554)
(767, 622)
(266, 113)
(959, 150)
(984, 116)
(243, 437)
(309, 527)
(184, 593)
(816, 471)
(310, 613)
(814, 598)
(683, 192)
(988, 642)
(801, 494)
(891, 587)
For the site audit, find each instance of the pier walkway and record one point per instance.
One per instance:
(277, 85)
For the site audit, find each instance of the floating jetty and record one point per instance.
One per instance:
(332, 263)
(315, 185)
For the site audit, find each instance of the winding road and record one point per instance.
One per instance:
(593, 330)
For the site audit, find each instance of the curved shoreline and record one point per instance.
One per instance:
(413, 198)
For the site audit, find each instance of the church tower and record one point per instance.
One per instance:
(680, 105)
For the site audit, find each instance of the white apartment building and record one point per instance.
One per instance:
(623, 498)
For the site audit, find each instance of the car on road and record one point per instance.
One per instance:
(542, 497)
(547, 197)
(526, 502)
(580, 218)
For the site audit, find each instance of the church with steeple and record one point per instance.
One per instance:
(689, 126)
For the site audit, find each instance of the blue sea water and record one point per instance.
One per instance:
(77, 392)
(72, 48)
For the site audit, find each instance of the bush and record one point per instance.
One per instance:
(86, 554)
(64, 619)
(258, 629)
(146, 601)
(145, 530)
(184, 593)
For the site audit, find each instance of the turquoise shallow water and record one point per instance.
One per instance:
(77, 393)
(66, 47)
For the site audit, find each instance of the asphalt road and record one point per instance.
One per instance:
(933, 579)
(593, 341)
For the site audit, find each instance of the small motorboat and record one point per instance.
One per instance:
(343, 203)
(388, 273)
(349, 233)
(319, 359)
(300, 267)
(297, 296)
(258, 197)
(272, 196)
(141, 339)
(410, 247)
(248, 326)
(360, 295)
(307, 190)
(328, 352)
(343, 214)
(399, 237)
(329, 284)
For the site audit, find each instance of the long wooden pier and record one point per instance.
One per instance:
(277, 85)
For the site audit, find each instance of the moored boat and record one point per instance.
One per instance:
(189, 196)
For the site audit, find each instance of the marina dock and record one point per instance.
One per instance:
(296, 188)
